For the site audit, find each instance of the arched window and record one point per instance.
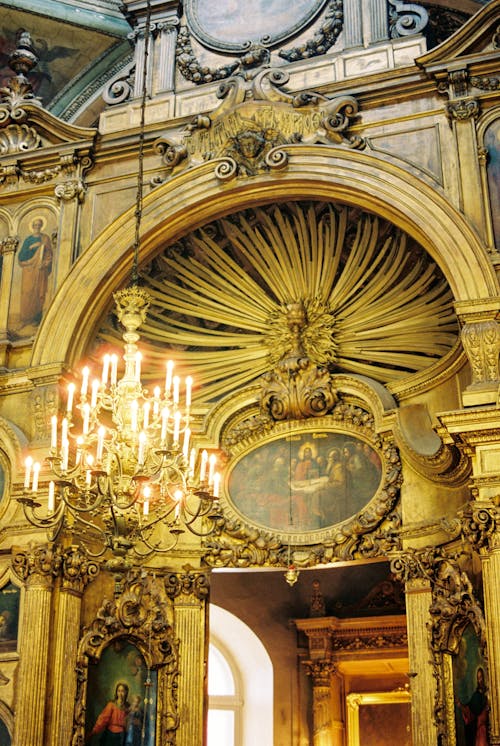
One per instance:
(240, 684)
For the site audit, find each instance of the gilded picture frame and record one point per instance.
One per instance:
(303, 481)
(368, 713)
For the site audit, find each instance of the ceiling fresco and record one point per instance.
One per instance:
(366, 298)
(66, 52)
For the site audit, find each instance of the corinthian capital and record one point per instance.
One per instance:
(37, 566)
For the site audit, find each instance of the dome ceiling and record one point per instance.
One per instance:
(369, 299)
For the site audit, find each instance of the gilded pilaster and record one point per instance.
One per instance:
(189, 591)
(77, 571)
(37, 568)
(423, 686)
(8, 248)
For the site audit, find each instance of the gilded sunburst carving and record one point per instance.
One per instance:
(373, 301)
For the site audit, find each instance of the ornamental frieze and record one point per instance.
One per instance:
(256, 117)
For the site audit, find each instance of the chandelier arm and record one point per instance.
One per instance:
(47, 522)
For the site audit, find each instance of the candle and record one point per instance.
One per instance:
(71, 393)
(86, 418)
(138, 358)
(114, 369)
(189, 386)
(145, 505)
(176, 390)
(100, 442)
(203, 465)
(156, 403)
(27, 474)
(51, 502)
(168, 379)
(105, 369)
(192, 461)
(64, 455)
(88, 474)
(36, 472)
(216, 486)
(95, 388)
(185, 446)
(164, 422)
(64, 430)
(85, 381)
(177, 426)
(211, 468)
(145, 415)
(78, 454)
(142, 448)
(178, 499)
(53, 432)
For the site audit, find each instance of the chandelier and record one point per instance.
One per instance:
(124, 478)
(124, 474)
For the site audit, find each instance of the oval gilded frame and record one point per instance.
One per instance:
(269, 487)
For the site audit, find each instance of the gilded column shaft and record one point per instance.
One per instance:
(62, 666)
(32, 687)
(491, 585)
(423, 685)
(324, 734)
(190, 593)
(190, 629)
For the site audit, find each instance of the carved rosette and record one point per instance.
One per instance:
(37, 566)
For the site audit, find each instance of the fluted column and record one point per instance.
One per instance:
(37, 568)
(190, 593)
(165, 49)
(423, 684)
(77, 571)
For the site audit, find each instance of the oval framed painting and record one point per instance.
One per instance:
(226, 26)
(300, 484)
